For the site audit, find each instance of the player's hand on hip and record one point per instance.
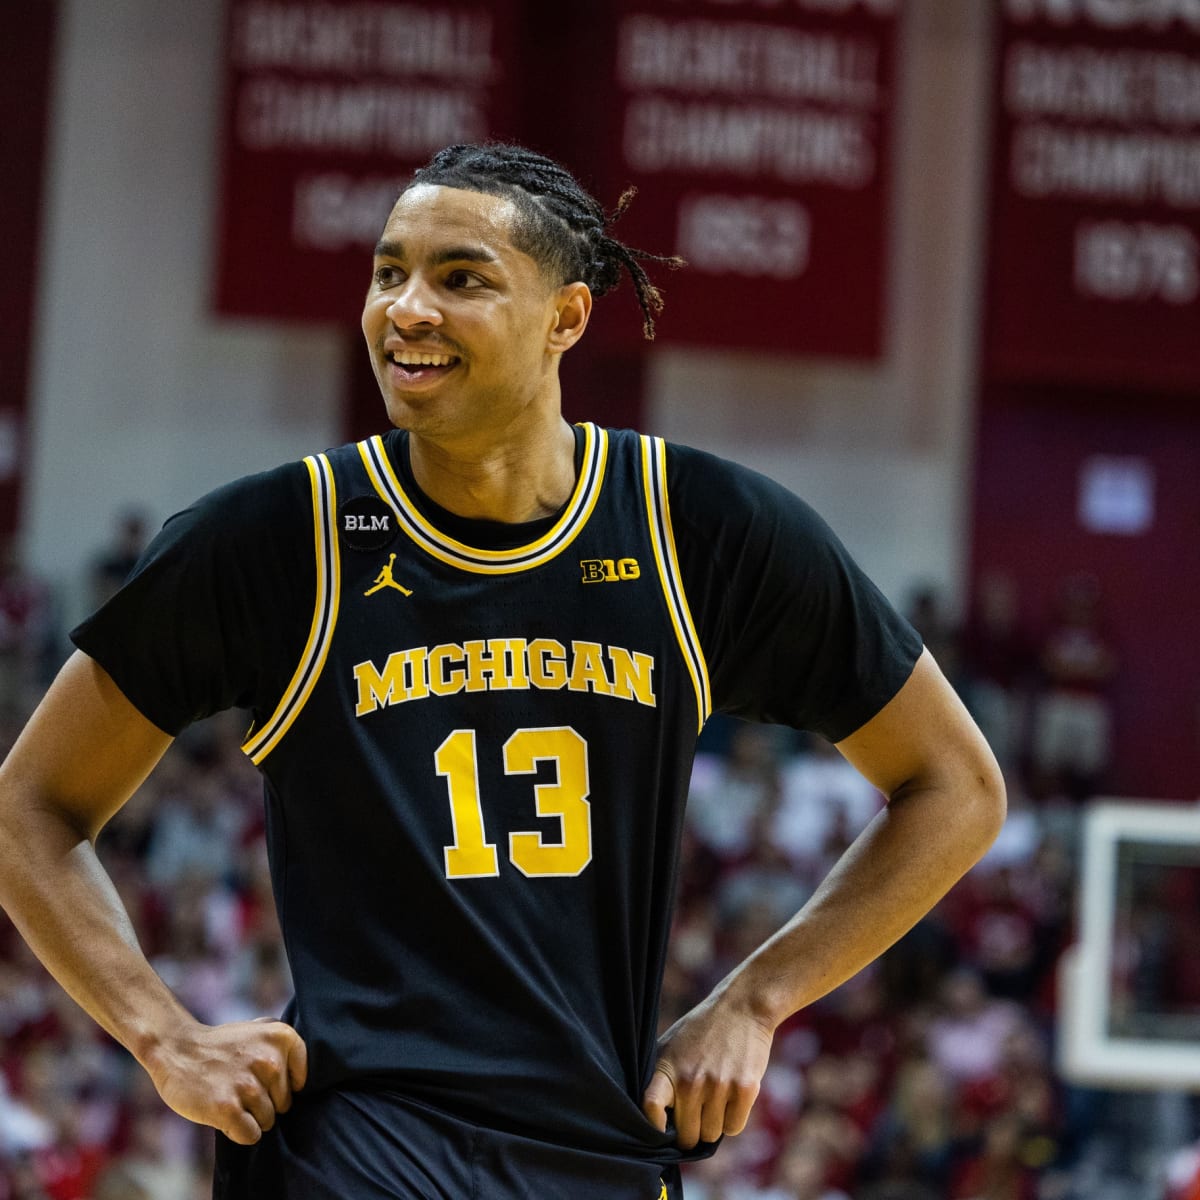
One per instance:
(235, 1077)
(710, 1066)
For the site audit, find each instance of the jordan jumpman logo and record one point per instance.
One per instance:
(384, 580)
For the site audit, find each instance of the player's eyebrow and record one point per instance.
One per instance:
(388, 248)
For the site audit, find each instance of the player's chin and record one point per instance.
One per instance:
(421, 414)
(399, 414)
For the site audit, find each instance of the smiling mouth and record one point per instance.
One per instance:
(410, 364)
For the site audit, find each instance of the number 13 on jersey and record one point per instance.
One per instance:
(472, 856)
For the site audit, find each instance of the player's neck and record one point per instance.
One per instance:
(510, 479)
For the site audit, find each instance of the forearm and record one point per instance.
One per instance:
(895, 872)
(65, 906)
(235, 1077)
(946, 806)
(85, 751)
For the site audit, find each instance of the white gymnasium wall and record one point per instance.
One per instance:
(141, 396)
(882, 452)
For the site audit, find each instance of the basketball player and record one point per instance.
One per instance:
(478, 650)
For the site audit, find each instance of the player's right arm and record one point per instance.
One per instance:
(84, 752)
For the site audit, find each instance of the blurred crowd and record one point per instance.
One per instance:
(928, 1075)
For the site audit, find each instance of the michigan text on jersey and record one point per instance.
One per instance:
(500, 664)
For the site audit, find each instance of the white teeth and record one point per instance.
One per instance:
(409, 359)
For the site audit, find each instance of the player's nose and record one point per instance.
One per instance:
(414, 304)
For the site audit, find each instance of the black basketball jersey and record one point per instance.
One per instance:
(476, 783)
(476, 756)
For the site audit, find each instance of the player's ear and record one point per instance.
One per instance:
(572, 307)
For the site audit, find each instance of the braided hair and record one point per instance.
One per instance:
(557, 223)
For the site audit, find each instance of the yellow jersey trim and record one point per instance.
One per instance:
(662, 538)
(492, 562)
(325, 610)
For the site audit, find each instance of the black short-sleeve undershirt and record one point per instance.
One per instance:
(793, 631)
(218, 609)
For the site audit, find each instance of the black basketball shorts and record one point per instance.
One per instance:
(377, 1145)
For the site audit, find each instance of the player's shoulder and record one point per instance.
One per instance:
(689, 469)
(264, 504)
(709, 491)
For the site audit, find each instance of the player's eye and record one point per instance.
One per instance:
(463, 280)
(386, 276)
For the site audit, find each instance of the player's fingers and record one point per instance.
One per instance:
(737, 1108)
(659, 1096)
(687, 1114)
(712, 1116)
(689, 1107)
(244, 1111)
(297, 1061)
(256, 1101)
(269, 1067)
(241, 1127)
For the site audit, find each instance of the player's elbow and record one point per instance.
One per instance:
(962, 801)
(983, 799)
(33, 823)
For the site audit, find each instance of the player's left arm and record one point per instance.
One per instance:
(946, 804)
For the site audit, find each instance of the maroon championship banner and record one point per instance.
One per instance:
(1095, 242)
(26, 83)
(329, 107)
(759, 138)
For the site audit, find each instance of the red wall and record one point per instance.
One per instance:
(1031, 446)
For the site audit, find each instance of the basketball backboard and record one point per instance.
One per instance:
(1129, 989)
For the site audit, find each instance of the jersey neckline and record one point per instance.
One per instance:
(475, 531)
(441, 545)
